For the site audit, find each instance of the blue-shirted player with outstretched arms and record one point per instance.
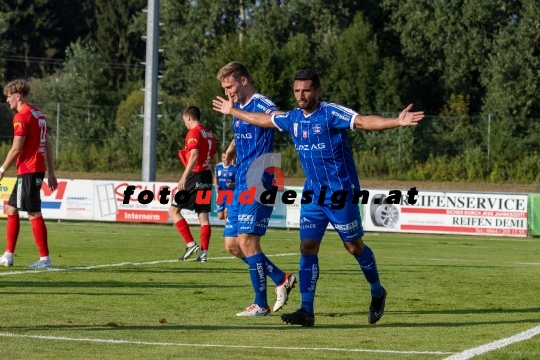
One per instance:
(224, 179)
(246, 223)
(319, 132)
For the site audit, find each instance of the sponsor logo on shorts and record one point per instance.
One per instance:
(347, 227)
(39, 181)
(309, 226)
(202, 186)
(304, 219)
(245, 218)
(263, 223)
(353, 236)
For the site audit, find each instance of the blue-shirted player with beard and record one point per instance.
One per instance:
(319, 132)
(224, 179)
(246, 223)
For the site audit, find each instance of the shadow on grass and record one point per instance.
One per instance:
(362, 324)
(111, 284)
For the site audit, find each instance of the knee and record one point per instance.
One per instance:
(309, 247)
(233, 248)
(355, 248)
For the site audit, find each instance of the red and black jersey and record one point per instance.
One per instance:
(202, 139)
(31, 123)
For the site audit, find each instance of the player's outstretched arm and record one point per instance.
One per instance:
(255, 118)
(375, 122)
(11, 157)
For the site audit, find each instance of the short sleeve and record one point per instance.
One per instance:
(19, 126)
(281, 121)
(192, 140)
(341, 117)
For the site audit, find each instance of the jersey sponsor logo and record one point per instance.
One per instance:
(347, 227)
(192, 141)
(295, 129)
(317, 128)
(36, 113)
(340, 116)
(219, 173)
(319, 146)
(243, 136)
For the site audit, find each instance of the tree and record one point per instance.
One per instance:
(82, 89)
(114, 41)
(40, 31)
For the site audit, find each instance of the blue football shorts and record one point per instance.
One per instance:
(314, 220)
(247, 218)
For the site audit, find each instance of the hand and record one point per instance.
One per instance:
(223, 106)
(182, 183)
(407, 118)
(53, 182)
(230, 185)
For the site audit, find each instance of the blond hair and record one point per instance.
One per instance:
(17, 87)
(234, 69)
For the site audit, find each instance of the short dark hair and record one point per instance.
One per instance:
(309, 74)
(193, 112)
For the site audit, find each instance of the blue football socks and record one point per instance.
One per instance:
(257, 273)
(369, 268)
(274, 272)
(308, 275)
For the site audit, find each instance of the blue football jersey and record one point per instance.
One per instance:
(224, 175)
(321, 141)
(251, 141)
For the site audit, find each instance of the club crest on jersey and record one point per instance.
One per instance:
(304, 134)
(237, 123)
(295, 129)
(316, 128)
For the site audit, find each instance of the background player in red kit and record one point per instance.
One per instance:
(199, 151)
(30, 150)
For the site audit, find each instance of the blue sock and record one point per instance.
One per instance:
(244, 259)
(308, 275)
(274, 272)
(257, 273)
(369, 268)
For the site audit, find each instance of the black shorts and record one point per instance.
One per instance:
(26, 194)
(195, 181)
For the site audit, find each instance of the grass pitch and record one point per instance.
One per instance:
(118, 292)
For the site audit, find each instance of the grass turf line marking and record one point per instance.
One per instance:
(467, 354)
(92, 267)
(112, 341)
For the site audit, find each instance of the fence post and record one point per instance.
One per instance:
(489, 140)
(57, 128)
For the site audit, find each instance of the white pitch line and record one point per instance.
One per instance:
(467, 354)
(112, 341)
(22, 272)
(461, 260)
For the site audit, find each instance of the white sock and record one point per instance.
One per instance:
(191, 244)
(45, 258)
(8, 255)
(203, 252)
